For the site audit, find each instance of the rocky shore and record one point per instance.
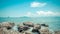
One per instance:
(25, 28)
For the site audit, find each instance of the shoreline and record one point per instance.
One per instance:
(26, 28)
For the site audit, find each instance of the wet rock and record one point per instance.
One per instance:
(44, 25)
(36, 28)
(22, 28)
(25, 28)
(36, 31)
(30, 24)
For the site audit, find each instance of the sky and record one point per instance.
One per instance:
(30, 8)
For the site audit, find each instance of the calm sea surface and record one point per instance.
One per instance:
(53, 22)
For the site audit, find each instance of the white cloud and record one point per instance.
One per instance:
(42, 13)
(48, 13)
(37, 4)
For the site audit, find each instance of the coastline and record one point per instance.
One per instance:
(27, 27)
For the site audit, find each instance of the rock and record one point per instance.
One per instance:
(27, 32)
(0, 25)
(37, 26)
(25, 28)
(30, 29)
(44, 25)
(57, 32)
(1, 31)
(30, 24)
(44, 31)
(35, 31)
(22, 28)
(8, 25)
(11, 32)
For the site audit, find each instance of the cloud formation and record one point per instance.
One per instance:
(38, 4)
(42, 13)
(45, 13)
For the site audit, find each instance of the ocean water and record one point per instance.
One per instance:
(53, 22)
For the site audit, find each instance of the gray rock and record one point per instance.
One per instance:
(57, 32)
(12, 32)
(22, 28)
(8, 25)
(44, 25)
(45, 31)
(1, 31)
(30, 24)
(27, 32)
(37, 26)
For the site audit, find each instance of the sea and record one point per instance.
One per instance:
(53, 22)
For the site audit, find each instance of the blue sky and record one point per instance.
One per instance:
(31, 8)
